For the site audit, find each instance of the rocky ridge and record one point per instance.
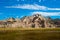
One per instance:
(34, 21)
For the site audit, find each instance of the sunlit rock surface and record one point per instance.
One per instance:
(34, 21)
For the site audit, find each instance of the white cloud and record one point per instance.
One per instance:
(53, 8)
(47, 13)
(27, 6)
(32, 7)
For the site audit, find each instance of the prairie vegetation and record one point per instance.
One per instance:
(29, 34)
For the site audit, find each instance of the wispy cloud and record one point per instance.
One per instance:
(32, 7)
(53, 8)
(28, 6)
(47, 13)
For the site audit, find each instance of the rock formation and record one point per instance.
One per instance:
(34, 21)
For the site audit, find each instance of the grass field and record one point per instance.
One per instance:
(29, 34)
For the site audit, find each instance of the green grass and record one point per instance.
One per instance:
(29, 34)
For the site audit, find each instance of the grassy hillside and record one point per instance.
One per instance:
(29, 34)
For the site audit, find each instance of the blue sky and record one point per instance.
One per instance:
(20, 8)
